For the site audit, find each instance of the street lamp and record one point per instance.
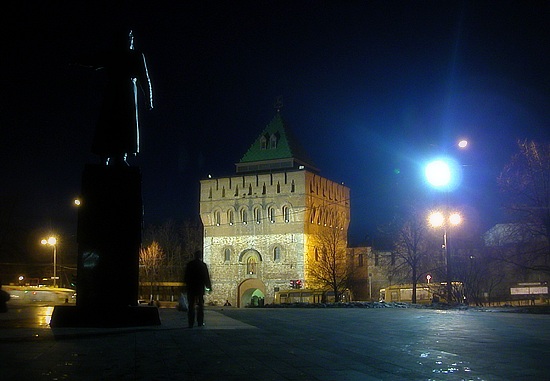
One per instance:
(52, 241)
(438, 173)
(438, 219)
(445, 174)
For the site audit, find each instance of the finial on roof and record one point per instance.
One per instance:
(279, 103)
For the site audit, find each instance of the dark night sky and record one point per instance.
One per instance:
(368, 88)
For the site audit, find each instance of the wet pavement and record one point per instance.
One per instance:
(282, 344)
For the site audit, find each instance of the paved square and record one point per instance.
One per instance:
(283, 344)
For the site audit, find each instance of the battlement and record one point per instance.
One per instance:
(271, 184)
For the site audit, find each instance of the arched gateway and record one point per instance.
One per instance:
(251, 293)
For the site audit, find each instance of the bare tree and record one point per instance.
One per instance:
(178, 243)
(168, 238)
(192, 234)
(151, 260)
(329, 268)
(411, 248)
(478, 270)
(526, 182)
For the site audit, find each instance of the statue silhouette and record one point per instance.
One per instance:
(117, 130)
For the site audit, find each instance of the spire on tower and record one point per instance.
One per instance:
(278, 103)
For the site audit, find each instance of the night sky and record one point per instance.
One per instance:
(371, 90)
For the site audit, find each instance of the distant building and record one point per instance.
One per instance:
(260, 223)
(369, 269)
(522, 253)
(510, 234)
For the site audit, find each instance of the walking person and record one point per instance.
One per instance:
(197, 279)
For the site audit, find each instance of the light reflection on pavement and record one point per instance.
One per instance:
(27, 316)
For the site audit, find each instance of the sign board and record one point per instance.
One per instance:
(535, 290)
(539, 290)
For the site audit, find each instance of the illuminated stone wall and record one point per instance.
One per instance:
(260, 227)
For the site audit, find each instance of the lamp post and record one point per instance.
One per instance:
(52, 241)
(445, 174)
(439, 174)
(438, 219)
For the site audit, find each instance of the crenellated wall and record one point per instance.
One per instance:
(264, 222)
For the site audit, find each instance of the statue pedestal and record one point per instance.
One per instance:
(109, 238)
(104, 317)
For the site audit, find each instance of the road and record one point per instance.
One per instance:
(284, 344)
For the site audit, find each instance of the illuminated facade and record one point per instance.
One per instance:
(260, 224)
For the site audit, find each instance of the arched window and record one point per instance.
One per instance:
(217, 218)
(244, 216)
(286, 213)
(230, 217)
(257, 215)
(273, 141)
(271, 213)
(227, 255)
(276, 254)
(263, 142)
(292, 186)
(251, 266)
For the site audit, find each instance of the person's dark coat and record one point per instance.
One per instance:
(197, 277)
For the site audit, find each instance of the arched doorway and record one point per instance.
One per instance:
(251, 293)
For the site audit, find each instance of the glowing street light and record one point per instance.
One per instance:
(455, 219)
(52, 241)
(438, 173)
(438, 219)
(445, 173)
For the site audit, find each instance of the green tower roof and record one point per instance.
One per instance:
(275, 149)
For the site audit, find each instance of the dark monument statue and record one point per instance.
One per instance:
(110, 216)
(117, 132)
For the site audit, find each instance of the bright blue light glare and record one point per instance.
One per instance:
(443, 173)
(438, 173)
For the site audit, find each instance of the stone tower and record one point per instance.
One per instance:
(260, 224)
